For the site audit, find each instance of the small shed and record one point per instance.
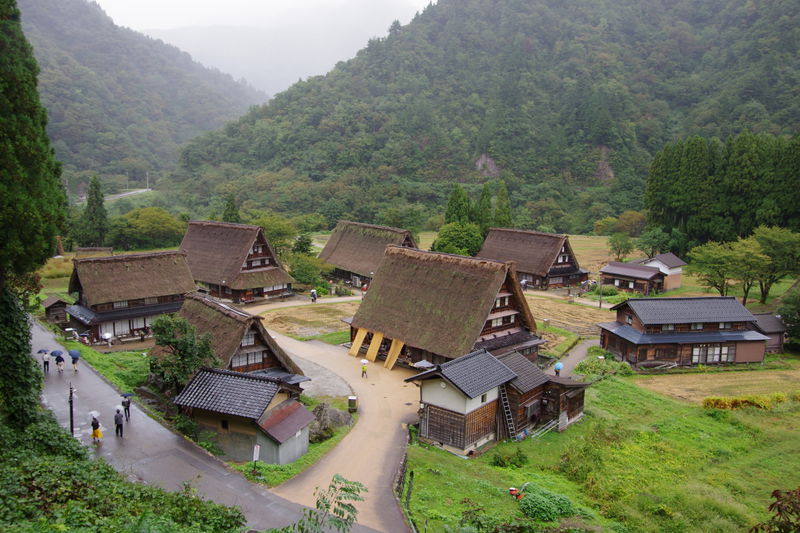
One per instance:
(631, 277)
(55, 309)
(773, 327)
(243, 410)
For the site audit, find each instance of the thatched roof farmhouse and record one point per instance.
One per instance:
(356, 249)
(436, 307)
(234, 261)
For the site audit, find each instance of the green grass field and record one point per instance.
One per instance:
(638, 459)
(125, 370)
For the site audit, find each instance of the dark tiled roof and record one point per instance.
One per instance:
(630, 270)
(669, 259)
(688, 310)
(529, 376)
(637, 337)
(51, 300)
(230, 393)
(284, 421)
(91, 318)
(769, 323)
(473, 374)
(501, 341)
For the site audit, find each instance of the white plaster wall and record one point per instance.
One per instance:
(475, 403)
(449, 397)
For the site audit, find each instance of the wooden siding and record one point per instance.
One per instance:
(480, 423)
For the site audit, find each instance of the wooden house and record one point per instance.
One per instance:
(427, 306)
(238, 339)
(242, 410)
(773, 327)
(234, 261)
(55, 310)
(631, 277)
(468, 402)
(543, 260)
(356, 249)
(683, 331)
(119, 296)
(670, 265)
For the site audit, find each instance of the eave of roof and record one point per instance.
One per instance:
(635, 336)
(688, 310)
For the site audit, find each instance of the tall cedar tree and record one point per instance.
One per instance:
(231, 212)
(458, 206)
(502, 209)
(95, 219)
(483, 210)
(31, 211)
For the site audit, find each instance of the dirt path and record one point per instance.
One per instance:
(372, 451)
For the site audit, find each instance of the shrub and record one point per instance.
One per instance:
(517, 459)
(204, 440)
(796, 396)
(341, 290)
(761, 401)
(186, 425)
(541, 504)
(594, 368)
(605, 290)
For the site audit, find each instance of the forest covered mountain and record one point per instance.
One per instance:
(565, 101)
(119, 102)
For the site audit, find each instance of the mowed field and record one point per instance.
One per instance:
(573, 317)
(695, 387)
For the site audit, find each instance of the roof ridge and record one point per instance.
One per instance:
(373, 226)
(123, 257)
(530, 232)
(226, 224)
(674, 298)
(237, 314)
(243, 375)
(415, 252)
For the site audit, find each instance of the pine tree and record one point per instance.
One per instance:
(95, 219)
(458, 208)
(231, 212)
(31, 211)
(483, 210)
(502, 208)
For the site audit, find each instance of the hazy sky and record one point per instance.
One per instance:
(166, 14)
(271, 43)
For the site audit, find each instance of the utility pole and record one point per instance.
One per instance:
(147, 175)
(71, 417)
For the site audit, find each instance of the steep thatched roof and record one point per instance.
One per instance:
(533, 252)
(358, 248)
(217, 250)
(93, 251)
(227, 325)
(131, 277)
(433, 301)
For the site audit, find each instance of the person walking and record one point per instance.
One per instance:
(126, 406)
(313, 295)
(96, 433)
(118, 423)
(364, 370)
(46, 361)
(60, 363)
(558, 368)
(75, 356)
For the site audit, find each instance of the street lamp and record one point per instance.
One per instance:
(71, 417)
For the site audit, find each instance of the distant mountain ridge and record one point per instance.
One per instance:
(120, 102)
(569, 100)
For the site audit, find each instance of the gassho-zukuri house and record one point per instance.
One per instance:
(243, 410)
(238, 339)
(542, 260)
(119, 296)
(683, 331)
(356, 249)
(234, 261)
(426, 308)
(468, 402)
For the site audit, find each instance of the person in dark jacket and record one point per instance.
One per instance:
(96, 433)
(118, 418)
(60, 363)
(126, 407)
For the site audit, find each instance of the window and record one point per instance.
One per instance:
(628, 319)
(725, 355)
(564, 259)
(697, 325)
(497, 322)
(630, 284)
(256, 262)
(249, 339)
(667, 327)
(616, 283)
(122, 304)
(724, 325)
(696, 352)
(713, 354)
(483, 398)
(223, 424)
(669, 352)
(151, 300)
(257, 249)
(501, 302)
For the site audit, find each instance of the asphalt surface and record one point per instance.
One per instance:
(150, 453)
(575, 356)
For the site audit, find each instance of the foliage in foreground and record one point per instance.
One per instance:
(184, 351)
(49, 483)
(594, 368)
(787, 513)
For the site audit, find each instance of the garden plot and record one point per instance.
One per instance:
(310, 320)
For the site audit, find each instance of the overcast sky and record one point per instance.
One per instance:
(166, 14)
(270, 43)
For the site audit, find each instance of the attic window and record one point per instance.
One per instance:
(150, 300)
(249, 339)
(256, 262)
(122, 304)
(667, 327)
(257, 249)
(628, 319)
(483, 398)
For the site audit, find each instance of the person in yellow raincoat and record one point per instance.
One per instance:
(96, 433)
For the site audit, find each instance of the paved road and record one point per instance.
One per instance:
(575, 356)
(149, 452)
(372, 451)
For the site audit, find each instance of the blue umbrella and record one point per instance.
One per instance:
(559, 365)
(43, 351)
(56, 353)
(127, 394)
(74, 353)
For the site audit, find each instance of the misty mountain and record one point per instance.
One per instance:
(566, 102)
(120, 102)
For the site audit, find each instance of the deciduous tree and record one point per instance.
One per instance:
(620, 245)
(653, 242)
(790, 313)
(713, 264)
(458, 238)
(185, 351)
(783, 249)
(748, 263)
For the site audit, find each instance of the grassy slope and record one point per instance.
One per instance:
(639, 458)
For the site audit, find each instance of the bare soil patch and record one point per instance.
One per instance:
(695, 387)
(310, 320)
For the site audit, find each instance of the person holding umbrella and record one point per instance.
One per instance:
(96, 433)
(364, 368)
(59, 360)
(126, 405)
(558, 368)
(45, 360)
(75, 354)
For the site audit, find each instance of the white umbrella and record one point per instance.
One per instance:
(364, 361)
(94, 414)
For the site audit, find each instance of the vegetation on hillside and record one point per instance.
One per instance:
(566, 103)
(121, 103)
